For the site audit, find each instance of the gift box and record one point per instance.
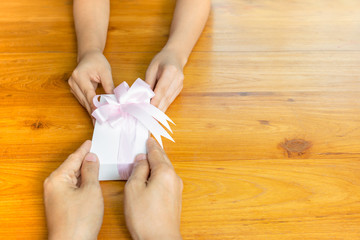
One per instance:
(123, 122)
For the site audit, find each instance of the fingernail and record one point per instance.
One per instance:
(90, 157)
(140, 157)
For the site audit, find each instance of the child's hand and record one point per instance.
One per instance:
(93, 68)
(74, 203)
(165, 74)
(153, 204)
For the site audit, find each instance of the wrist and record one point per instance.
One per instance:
(83, 53)
(179, 53)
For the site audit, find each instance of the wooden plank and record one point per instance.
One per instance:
(205, 72)
(248, 127)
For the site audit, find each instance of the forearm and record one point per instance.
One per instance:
(188, 22)
(91, 23)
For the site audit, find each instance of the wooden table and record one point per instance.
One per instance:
(268, 123)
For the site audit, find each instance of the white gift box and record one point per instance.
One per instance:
(106, 140)
(123, 122)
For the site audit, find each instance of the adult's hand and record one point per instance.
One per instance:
(153, 196)
(73, 199)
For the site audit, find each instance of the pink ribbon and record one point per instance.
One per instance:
(131, 105)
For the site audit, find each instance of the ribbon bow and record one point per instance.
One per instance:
(133, 102)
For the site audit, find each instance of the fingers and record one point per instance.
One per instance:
(167, 88)
(74, 161)
(88, 90)
(165, 104)
(90, 170)
(161, 87)
(84, 84)
(140, 172)
(156, 156)
(76, 91)
(162, 171)
(165, 95)
(150, 76)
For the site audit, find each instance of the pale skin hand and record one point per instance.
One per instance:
(74, 203)
(152, 199)
(91, 22)
(73, 199)
(165, 72)
(92, 69)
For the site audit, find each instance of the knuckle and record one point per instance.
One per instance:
(130, 185)
(171, 69)
(75, 75)
(154, 62)
(47, 183)
(181, 80)
(148, 70)
(73, 155)
(155, 102)
(155, 151)
(167, 174)
(159, 93)
(105, 67)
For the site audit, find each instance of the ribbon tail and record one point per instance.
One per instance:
(157, 114)
(149, 122)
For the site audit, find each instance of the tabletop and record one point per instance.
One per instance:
(267, 126)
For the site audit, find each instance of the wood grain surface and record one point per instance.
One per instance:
(267, 127)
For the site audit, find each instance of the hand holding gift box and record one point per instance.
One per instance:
(123, 122)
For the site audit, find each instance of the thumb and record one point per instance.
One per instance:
(140, 172)
(90, 170)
